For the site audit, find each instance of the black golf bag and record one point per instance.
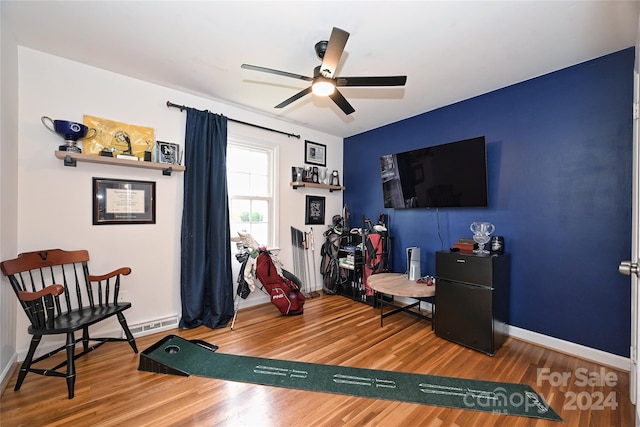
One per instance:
(330, 264)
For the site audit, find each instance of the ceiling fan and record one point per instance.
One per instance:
(325, 82)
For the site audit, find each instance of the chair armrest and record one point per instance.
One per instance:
(125, 271)
(53, 290)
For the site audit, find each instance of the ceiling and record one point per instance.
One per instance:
(449, 50)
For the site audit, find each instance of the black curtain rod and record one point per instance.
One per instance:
(183, 107)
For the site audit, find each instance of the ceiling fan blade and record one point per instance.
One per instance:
(294, 98)
(334, 51)
(277, 72)
(372, 81)
(342, 102)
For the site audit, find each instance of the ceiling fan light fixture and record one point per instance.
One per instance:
(325, 82)
(323, 86)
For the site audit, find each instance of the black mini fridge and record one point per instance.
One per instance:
(472, 299)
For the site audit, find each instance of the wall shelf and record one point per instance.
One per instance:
(331, 188)
(71, 159)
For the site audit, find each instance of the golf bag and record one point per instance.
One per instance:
(375, 262)
(329, 264)
(284, 287)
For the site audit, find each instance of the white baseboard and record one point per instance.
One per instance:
(7, 372)
(567, 347)
(573, 349)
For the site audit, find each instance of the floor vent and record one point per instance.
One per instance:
(154, 326)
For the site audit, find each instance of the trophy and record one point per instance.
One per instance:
(308, 174)
(323, 175)
(296, 173)
(70, 131)
(481, 232)
(335, 179)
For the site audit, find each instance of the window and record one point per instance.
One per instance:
(250, 176)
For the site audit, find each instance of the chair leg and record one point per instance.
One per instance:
(127, 332)
(71, 367)
(26, 365)
(85, 338)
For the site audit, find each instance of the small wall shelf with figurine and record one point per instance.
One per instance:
(71, 159)
(331, 188)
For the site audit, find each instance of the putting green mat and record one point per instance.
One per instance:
(175, 355)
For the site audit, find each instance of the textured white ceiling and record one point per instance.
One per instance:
(449, 50)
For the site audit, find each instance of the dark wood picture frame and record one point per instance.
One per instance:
(315, 154)
(314, 211)
(123, 201)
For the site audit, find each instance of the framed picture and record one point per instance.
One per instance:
(119, 201)
(167, 152)
(315, 154)
(314, 213)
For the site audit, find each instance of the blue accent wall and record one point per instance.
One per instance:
(559, 152)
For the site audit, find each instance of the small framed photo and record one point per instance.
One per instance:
(119, 201)
(167, 152)
(314, 212)
(315, 154)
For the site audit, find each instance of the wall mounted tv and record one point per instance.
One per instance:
(441, 176)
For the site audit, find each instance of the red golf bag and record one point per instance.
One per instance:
(284, 289)
(375, 259)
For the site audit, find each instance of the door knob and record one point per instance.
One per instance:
(628, 267)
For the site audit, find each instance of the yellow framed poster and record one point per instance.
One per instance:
(117, 138)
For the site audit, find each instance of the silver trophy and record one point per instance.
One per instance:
(481, 232)
(72, 132)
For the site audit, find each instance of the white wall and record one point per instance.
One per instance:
(8, 190)
(54, 206)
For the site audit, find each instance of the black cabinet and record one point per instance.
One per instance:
(472, 299)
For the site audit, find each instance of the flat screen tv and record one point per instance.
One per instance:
(442, 176)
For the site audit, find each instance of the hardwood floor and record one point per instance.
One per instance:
(110, 391)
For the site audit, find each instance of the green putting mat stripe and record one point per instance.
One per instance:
(486, 396)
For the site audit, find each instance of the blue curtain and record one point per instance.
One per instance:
(206, 284)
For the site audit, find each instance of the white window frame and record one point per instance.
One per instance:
(273, 156)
